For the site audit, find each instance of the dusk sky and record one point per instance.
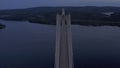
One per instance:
(12, 4)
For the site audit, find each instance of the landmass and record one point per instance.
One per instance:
(2, 26)
(88, 15)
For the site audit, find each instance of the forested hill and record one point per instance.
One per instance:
(51, 9)
(80, 15)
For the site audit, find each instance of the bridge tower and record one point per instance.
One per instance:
(63, 52)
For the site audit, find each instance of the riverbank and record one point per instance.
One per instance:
(2, 26)
(74, 22)
(81, 22)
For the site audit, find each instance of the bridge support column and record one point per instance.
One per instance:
(64, 52)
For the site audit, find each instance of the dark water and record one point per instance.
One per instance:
(28, 45)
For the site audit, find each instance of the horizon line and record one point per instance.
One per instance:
(53, 7)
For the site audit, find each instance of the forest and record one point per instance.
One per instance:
(87, 15)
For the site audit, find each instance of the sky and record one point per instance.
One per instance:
(13, 4)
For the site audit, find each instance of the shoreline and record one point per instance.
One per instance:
(84, 23)
(2, 26)
(74, 22)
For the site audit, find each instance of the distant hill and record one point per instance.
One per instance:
(58, 9)
(80, 15)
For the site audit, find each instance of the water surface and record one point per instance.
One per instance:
(29, 45)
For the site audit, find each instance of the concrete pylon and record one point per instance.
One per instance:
(63, 52)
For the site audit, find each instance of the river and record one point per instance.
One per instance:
(29, 45)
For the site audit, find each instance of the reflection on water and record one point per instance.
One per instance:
(28, 45)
